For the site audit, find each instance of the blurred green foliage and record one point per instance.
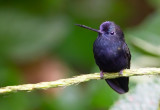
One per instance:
(31, 29)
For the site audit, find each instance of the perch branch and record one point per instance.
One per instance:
(79, 79)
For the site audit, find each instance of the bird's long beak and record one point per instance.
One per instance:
(88, 28)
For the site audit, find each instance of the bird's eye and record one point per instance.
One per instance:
(112, 33)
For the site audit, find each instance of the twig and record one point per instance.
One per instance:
(79, 79)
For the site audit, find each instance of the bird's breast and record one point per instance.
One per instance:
(104, 47)
(108, 54)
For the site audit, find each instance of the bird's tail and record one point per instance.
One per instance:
(120, 85)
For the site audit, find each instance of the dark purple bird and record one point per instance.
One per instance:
(111, 54)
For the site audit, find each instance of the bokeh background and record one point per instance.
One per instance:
(39, 42)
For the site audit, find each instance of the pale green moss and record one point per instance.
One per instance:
(79, 79)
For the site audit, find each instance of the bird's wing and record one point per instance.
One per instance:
(127, 54)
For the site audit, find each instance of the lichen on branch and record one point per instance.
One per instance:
(79, 79)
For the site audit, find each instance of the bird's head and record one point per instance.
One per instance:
(110, 28)
(106, 28)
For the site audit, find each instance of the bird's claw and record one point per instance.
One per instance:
(101, 75)
(121, 72)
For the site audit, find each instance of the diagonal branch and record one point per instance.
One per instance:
(79, 79)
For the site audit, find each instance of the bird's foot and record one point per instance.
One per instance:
(101, 75)
(121, 72)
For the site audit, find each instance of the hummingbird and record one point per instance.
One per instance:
(111, 54)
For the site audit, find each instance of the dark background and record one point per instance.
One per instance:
(39, 42)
